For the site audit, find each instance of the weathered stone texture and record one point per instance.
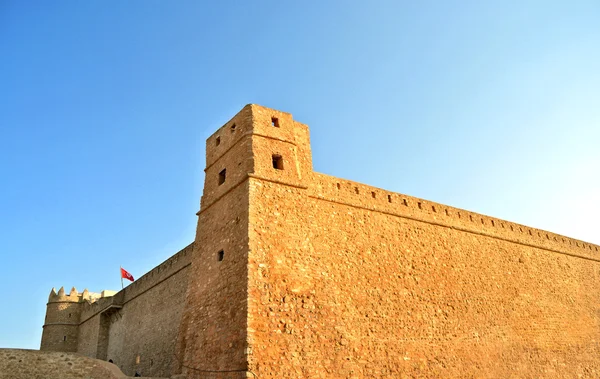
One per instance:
(61, 323)
(296, 274)
(88, 336)
(147, 327)
(213, 332)
(32, 364)
(143, 320)
(342, 291)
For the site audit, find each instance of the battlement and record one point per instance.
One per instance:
(76, 297)
(362, 196)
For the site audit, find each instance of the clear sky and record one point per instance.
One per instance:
(105, 106)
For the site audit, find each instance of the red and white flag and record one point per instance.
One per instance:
(125, 274)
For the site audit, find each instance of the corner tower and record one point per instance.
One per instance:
(61, 326)
(257, 146)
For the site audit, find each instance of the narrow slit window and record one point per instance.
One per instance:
(64, 338)
(220, 255)
(420, 206)
(275, 122)
(277, 162)
(433, 208)
(373, 195)
(218, 141)
(405, 202)
(389, 198)
(356, 190)
(338, 186)
(233, 128)
(222, 176)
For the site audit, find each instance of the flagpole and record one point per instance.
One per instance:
(121, 275)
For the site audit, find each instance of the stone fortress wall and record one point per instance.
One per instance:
(136, 327)
(296, 274)
(348, 282)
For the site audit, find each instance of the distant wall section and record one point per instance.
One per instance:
(137, 327)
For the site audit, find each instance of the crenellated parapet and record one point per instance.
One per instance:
(63, 316)
(361, 196)
(73, 296)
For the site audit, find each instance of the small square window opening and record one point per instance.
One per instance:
(222, 176)
(275, 122)
(277, 162)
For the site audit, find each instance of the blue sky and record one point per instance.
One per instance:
(105, 106)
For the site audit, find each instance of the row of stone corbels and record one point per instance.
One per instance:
(371, 198)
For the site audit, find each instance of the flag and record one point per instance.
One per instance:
(126, 275)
